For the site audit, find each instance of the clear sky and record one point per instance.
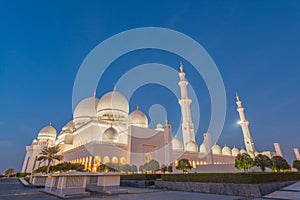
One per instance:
(255, 44)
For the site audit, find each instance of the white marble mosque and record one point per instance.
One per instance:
(102, 131)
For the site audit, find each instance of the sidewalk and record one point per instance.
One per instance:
(291, 192)
(12, 189)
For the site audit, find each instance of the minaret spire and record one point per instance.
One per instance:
(181, 66)
(237, 96)
(244, 123)
(187, 123)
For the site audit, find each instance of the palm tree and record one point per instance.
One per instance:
(50, 154)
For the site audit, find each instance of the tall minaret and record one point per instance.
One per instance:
(278, 149)
(244, 123)
(187, 124)
(297, 154)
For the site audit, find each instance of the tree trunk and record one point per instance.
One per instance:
(48, 166)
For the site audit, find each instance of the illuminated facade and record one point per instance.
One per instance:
(103, 131)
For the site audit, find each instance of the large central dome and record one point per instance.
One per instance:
(85, 111)
(86, 108)
(113, 106)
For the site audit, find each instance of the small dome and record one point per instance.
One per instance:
(192, 146)
(86, 108)
(226, 151)
(177, 144)
(48, 132)
(216, 149)
(113, 101)
(235, 151)
(159, 126)
(110, 134)
(138, 118)
(243, 151)
(202, 148)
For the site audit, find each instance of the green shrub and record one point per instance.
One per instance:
(61, 167)
(244, 162)
(140, 177)
(134, 168)
(22, 174)
(126, 168)
(152, 165)
(296, 165)
(66, 166)
(163, 168)
(43, 169)
(280, 164)
(184, 165)
(241, 178)
(170, 169)
(109, 167)
(263, 162)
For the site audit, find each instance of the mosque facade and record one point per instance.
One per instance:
(103, 131)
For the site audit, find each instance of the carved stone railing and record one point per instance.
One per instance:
(38, 180)
(104, 182)
(67, 185)
(75, 184)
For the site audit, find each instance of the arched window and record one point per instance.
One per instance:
(122, 161)
(86, 164)
(106, 160)
(114, 160)
(97, 160)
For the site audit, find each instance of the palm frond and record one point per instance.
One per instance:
(50, 154)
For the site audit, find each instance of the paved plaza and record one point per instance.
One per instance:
(289, 192)
(12, 189)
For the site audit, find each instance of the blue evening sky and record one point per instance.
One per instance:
(255, 44)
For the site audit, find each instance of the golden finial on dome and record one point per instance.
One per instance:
(95, 93)
(137, 107)
(115, 87)
(50, 124)
(181, 66)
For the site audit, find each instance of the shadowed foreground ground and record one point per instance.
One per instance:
(12, 189)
